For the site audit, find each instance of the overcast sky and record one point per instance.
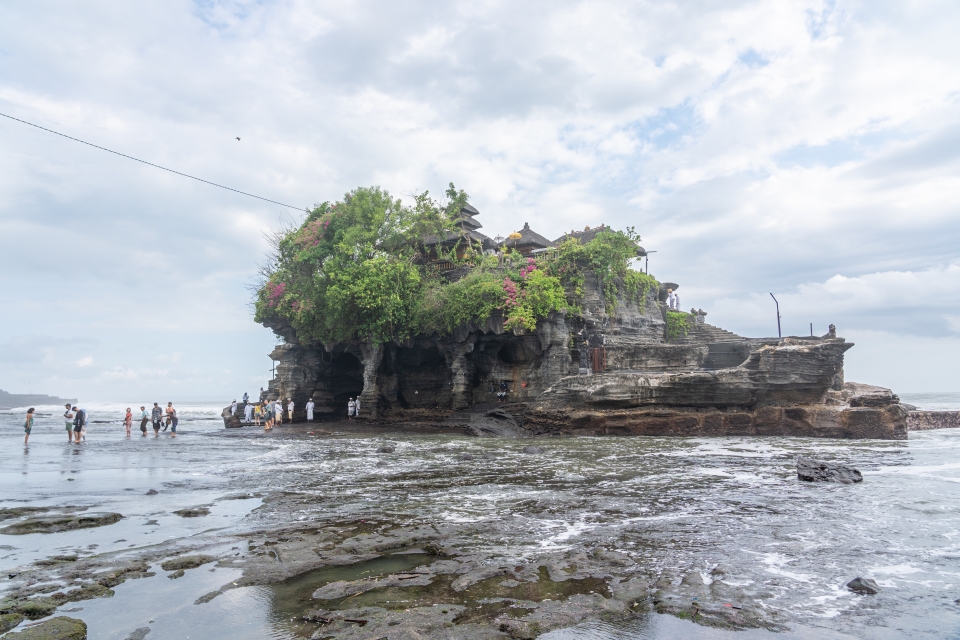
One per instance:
(810, 149)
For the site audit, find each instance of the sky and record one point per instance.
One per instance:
(809, 149)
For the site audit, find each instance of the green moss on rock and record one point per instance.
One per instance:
(186, 562)
(59, 628)
(9, 621)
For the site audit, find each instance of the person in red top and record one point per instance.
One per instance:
(128, 421)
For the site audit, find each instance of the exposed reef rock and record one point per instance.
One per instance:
(59, 628)
(863, 586)
(810, 470)
(608, 369)
(925, 420)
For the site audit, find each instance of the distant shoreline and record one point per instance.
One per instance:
(14, 400)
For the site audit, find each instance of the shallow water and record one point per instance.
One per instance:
(669, 502)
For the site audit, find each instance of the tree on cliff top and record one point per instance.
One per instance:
(355, 270)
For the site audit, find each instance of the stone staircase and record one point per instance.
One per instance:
(707, 334)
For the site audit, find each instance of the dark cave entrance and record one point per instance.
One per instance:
(424, 379)
(345, 376)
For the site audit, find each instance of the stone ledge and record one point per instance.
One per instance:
(812, 421)
(926, 420)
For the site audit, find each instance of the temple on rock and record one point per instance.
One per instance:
(464, 236)
(619, 362)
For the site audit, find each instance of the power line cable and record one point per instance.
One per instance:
(123, 155)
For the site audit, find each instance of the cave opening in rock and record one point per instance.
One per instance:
(424, 378)
(345, 376)
(516, 352)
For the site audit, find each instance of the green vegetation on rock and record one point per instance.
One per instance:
(9, 621)
(59, 628)
(678, 324)
(186, 562)
(358, 269)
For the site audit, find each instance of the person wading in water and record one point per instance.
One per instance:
(172, 420)
(128, 421)
(157, 416)
(28, 425)
(144, 419)
(79, 422)
(68, 421)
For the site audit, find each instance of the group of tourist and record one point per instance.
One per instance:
(270, 412)
(165, 418)
(75, 421)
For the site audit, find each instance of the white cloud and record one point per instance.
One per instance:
(85, 361)
(756, 146)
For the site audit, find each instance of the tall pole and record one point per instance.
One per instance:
(779, 335)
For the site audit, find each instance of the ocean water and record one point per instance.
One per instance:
(932, 401)
(671, 503)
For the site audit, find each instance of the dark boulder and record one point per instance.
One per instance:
(230, 421)
(495, 423)
(386, 449)
(531, 450)
(863, 586)
(810, 470)
(152, 492)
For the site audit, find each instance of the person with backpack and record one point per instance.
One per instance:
(79, 424)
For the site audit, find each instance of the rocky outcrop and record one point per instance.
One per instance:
(863, 586)
(810, 470)
(925, 420)
(784, 374)
(814, 421)
(607, 369)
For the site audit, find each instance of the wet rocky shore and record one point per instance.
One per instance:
(359, 531)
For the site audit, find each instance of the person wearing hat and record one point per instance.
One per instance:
(310, 407)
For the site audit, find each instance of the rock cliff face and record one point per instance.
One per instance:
(607, 369)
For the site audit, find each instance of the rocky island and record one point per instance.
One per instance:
(425, 319)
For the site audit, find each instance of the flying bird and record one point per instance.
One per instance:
(238, 139)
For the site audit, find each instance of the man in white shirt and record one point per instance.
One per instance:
(248, 413)
(356, 407)
(290, 409)
(310, 406)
